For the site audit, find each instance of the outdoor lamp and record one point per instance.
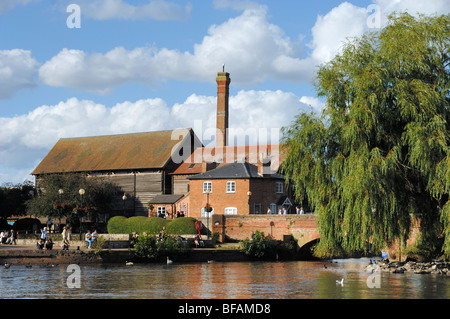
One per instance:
(81, 191)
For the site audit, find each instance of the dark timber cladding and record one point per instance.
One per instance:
(138, 163)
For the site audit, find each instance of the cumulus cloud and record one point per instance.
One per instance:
(119, 9)
(17, 71)
(251, 48)
(26, 139)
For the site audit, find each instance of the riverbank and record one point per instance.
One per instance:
(433, 267)
(29, 255)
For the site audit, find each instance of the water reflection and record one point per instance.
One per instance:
(266, 280)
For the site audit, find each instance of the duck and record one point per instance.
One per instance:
(340, 282)
(129, 263)
(7, 265)
(169, 261)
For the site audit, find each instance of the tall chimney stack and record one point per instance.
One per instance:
(223, 87)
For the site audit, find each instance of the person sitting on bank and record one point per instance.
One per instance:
(65, 244)
(198, 241)
(40, 244)
(12, 237)
(87, 238)
(94, 237)
(49, 244)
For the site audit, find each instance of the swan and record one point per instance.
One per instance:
(169, 261)
(340, 282)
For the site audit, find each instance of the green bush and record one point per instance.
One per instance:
(182, 226)
(116, 225)
(148, 248)
(267, 248)
(136, 224)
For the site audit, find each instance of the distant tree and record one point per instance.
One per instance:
(97, 199)
(378, 157)
(13, 198)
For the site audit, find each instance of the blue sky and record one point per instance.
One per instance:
(150, 65)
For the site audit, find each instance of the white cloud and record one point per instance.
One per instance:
(26, 139)
(251, 48)
(119, 9)
(17, 71)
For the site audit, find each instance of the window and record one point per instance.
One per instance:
(279, 188)
(162, 211)
(230, 211)
(231, 187)
(257, 208)
(207, 186)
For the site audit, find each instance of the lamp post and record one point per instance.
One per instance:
(207, 212)
(81, 192)
(61, 193)
(124, 198)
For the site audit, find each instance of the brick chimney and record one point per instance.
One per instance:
(223, 88)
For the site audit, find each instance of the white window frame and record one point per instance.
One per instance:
(161, 210)
(230, 211)
(231, 187)
(206, 186)
(279, 187)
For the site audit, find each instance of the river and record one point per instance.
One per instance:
(219, 280)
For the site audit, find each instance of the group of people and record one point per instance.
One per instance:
(91, 238)
(8, 238)
(44, 241)
(283, 211)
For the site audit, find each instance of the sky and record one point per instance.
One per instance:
(73, 68)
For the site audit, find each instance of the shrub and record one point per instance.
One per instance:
(182, 226)
(148, 248)
(116, 225)
(267, 248)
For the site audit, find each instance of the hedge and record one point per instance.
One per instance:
(151, 225)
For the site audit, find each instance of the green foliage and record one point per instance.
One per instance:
(378, 156)
(266, 248)
(116, 225)
(151, 225)
(97, 200)
(148, 248)
(13, 199)
(182, 225)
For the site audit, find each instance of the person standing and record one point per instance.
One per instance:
(44, 234)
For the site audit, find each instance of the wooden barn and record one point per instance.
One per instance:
(140, 164)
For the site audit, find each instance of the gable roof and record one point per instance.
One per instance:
(230, 154)
(166, 199)
(113, 152)
(234, 170)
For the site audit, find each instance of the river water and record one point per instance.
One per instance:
(219, 280)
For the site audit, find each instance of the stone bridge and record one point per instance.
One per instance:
(239, 227)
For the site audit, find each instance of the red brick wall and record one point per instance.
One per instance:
(263, 192)
(239, 227)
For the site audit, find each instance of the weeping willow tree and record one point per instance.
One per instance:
(377, 159)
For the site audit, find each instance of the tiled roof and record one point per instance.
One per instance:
(166, 199)
(229, 154)
(111, 152)
(234, 170)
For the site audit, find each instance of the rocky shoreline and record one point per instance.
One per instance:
(433, 267)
